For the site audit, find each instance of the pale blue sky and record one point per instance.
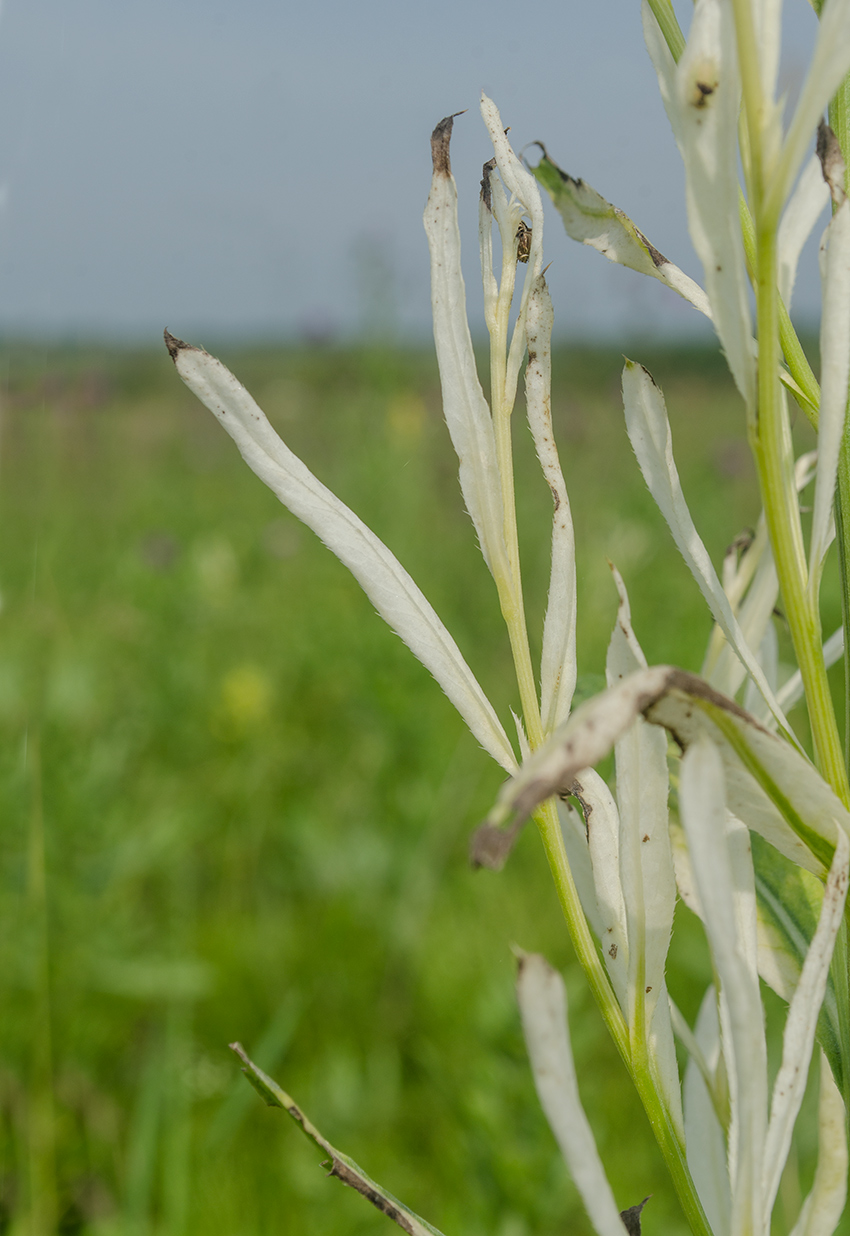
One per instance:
(260, 168)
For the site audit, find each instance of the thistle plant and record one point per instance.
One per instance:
(715, 797)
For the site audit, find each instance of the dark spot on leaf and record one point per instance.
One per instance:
(702, 93)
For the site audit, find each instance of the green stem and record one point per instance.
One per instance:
(771, 441)
(662, 11)
(638, 1064)
(795, 358)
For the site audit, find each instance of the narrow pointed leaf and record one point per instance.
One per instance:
(341, 1166)
(829, 64)
(835, 370)
(724, 874)
(464, 406)
(543, 1006)
(824, 1205)
(649, 433)
(602, 821)
(799, 1036)
(574, 832)
(388, 586)
(705, 100)
(753, 617)
(704, 1133)
(522, 186)
(558, 659)
(646, 862)
(789, 904)
(805, 206)
(592, 221)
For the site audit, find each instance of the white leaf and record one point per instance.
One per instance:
(603, 840)
(574, 832)
(706, 100)
(801, 1023)
(665, 68)
(805, 206)
(827, 67)
(754, 617)
(704, 1135)
(823, 1206)
(543, 1006)
(380, 575)
(649, 433)
(591, 220)
(835, 370)
(770, 786)
(521, 185)
(723, 872)
(558, 660)
(464, 406)
(645, 858)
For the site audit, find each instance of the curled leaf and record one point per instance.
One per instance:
(770, 787)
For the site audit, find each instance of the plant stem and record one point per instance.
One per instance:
(771, 442)
(795, 358)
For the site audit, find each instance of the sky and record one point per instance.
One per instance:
(259, 170)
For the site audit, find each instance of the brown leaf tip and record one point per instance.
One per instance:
(440, 142)
(631, 1217)
(174, 346)
(490, 846)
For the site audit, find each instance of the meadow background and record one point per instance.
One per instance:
(235, 807)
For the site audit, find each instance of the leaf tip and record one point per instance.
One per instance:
(440, 142)
(631, 1217)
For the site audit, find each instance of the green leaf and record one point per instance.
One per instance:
(788, 902)
(341, 1166)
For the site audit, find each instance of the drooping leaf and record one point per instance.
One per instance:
(341, 1166)
(592, 221)
(384, 580)
(771, 787)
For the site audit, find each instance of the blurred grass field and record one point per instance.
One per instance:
(236, 807)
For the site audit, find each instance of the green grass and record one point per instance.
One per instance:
(236, 807)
